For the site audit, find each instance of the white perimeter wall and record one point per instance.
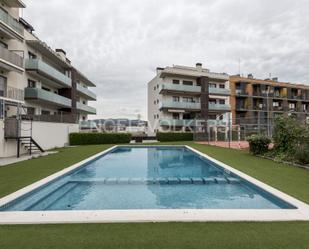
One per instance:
(47, 135)
(50, 135)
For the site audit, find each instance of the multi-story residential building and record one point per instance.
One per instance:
(257, 102)
(183, 98)
(36, 82)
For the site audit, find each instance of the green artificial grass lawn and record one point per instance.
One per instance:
(293, 181)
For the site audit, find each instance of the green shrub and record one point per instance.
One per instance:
(99, 138)
(259, 144)
(287, 135)
(173, 137)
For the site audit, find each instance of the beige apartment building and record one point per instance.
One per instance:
(182, 98)
(39, 87)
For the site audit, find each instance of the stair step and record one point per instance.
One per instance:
(162, 181)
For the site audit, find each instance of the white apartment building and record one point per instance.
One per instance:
(182, 98)
(42, 95)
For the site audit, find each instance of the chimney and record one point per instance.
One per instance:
(62, 53)
(159, 70)
(199, 66)
(250, 76)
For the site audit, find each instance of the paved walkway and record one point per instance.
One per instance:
(11, 160)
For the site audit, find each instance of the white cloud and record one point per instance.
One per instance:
(118, 44)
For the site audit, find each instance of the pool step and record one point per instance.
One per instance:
(167, 180)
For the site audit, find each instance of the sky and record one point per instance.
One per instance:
(119, 44)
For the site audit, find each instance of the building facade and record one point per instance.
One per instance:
(184, 98)
(258, 102)
(36, 82)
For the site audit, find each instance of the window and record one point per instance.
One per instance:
(176, 116)
(154, 88)
(3, 82)
(222, 86)
(154, 102)
(221, 101)
(158, 116)
(212, 117)
(212, 101)
(176, 82)
(154, 116)
(157, 101)
(176, 99)
(212, 85)
(188, 99)
(187, 83)
(84, 102)
(275, 104)
(46, 89)
(31, 83)
(30, 111)
(32, 56)
(44, 112)
(3, 45)
(292, 106)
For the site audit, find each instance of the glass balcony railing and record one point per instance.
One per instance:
(40, 94)
(86, 92)
(86, 108)
(191, 122)
(219, 107)
(11, 22)
(181, 88)
(219, 91)
(48, 71)
(180, 105)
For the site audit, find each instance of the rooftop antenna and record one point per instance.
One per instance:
(239, 66)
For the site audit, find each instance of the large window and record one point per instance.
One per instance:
(187, 83)
(176, 116)
(176, 99)
(176, 82)
(188, 99)
(31, 83)
(3, 81)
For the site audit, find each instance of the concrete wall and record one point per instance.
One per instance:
(50, 135)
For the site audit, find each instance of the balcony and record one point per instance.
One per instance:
(37, 94)
(180, 89)
(12, 94)
(219, 91)
(219, 107)
(180, 105)
(84, 91)
(10, 27)
(85, 108)
(10, 61)
(42, 69)
(241, 92)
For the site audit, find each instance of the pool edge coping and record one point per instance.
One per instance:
(156, 215)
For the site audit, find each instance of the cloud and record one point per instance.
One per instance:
(118, 44)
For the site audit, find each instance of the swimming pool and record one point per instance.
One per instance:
(147, 178)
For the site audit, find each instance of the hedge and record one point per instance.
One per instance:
(259, 144)
(173, 137)
(99, 138)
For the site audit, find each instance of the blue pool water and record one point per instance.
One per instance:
(147, 178)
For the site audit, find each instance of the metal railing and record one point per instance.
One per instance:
(58, 118)
(11, 22)
(11, 57)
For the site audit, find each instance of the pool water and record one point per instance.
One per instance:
(148, 178)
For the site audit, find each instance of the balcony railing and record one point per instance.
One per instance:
(241, 92)
(40, 94)
(13, 93)
(219, 91)
(219, 107)
(86, 92)
(11, 22)
(58, 118)
(181, 88)
(180, 105)
(49, 71)
(11, 57)
(86, 108)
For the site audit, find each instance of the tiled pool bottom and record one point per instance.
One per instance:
(147, 178)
